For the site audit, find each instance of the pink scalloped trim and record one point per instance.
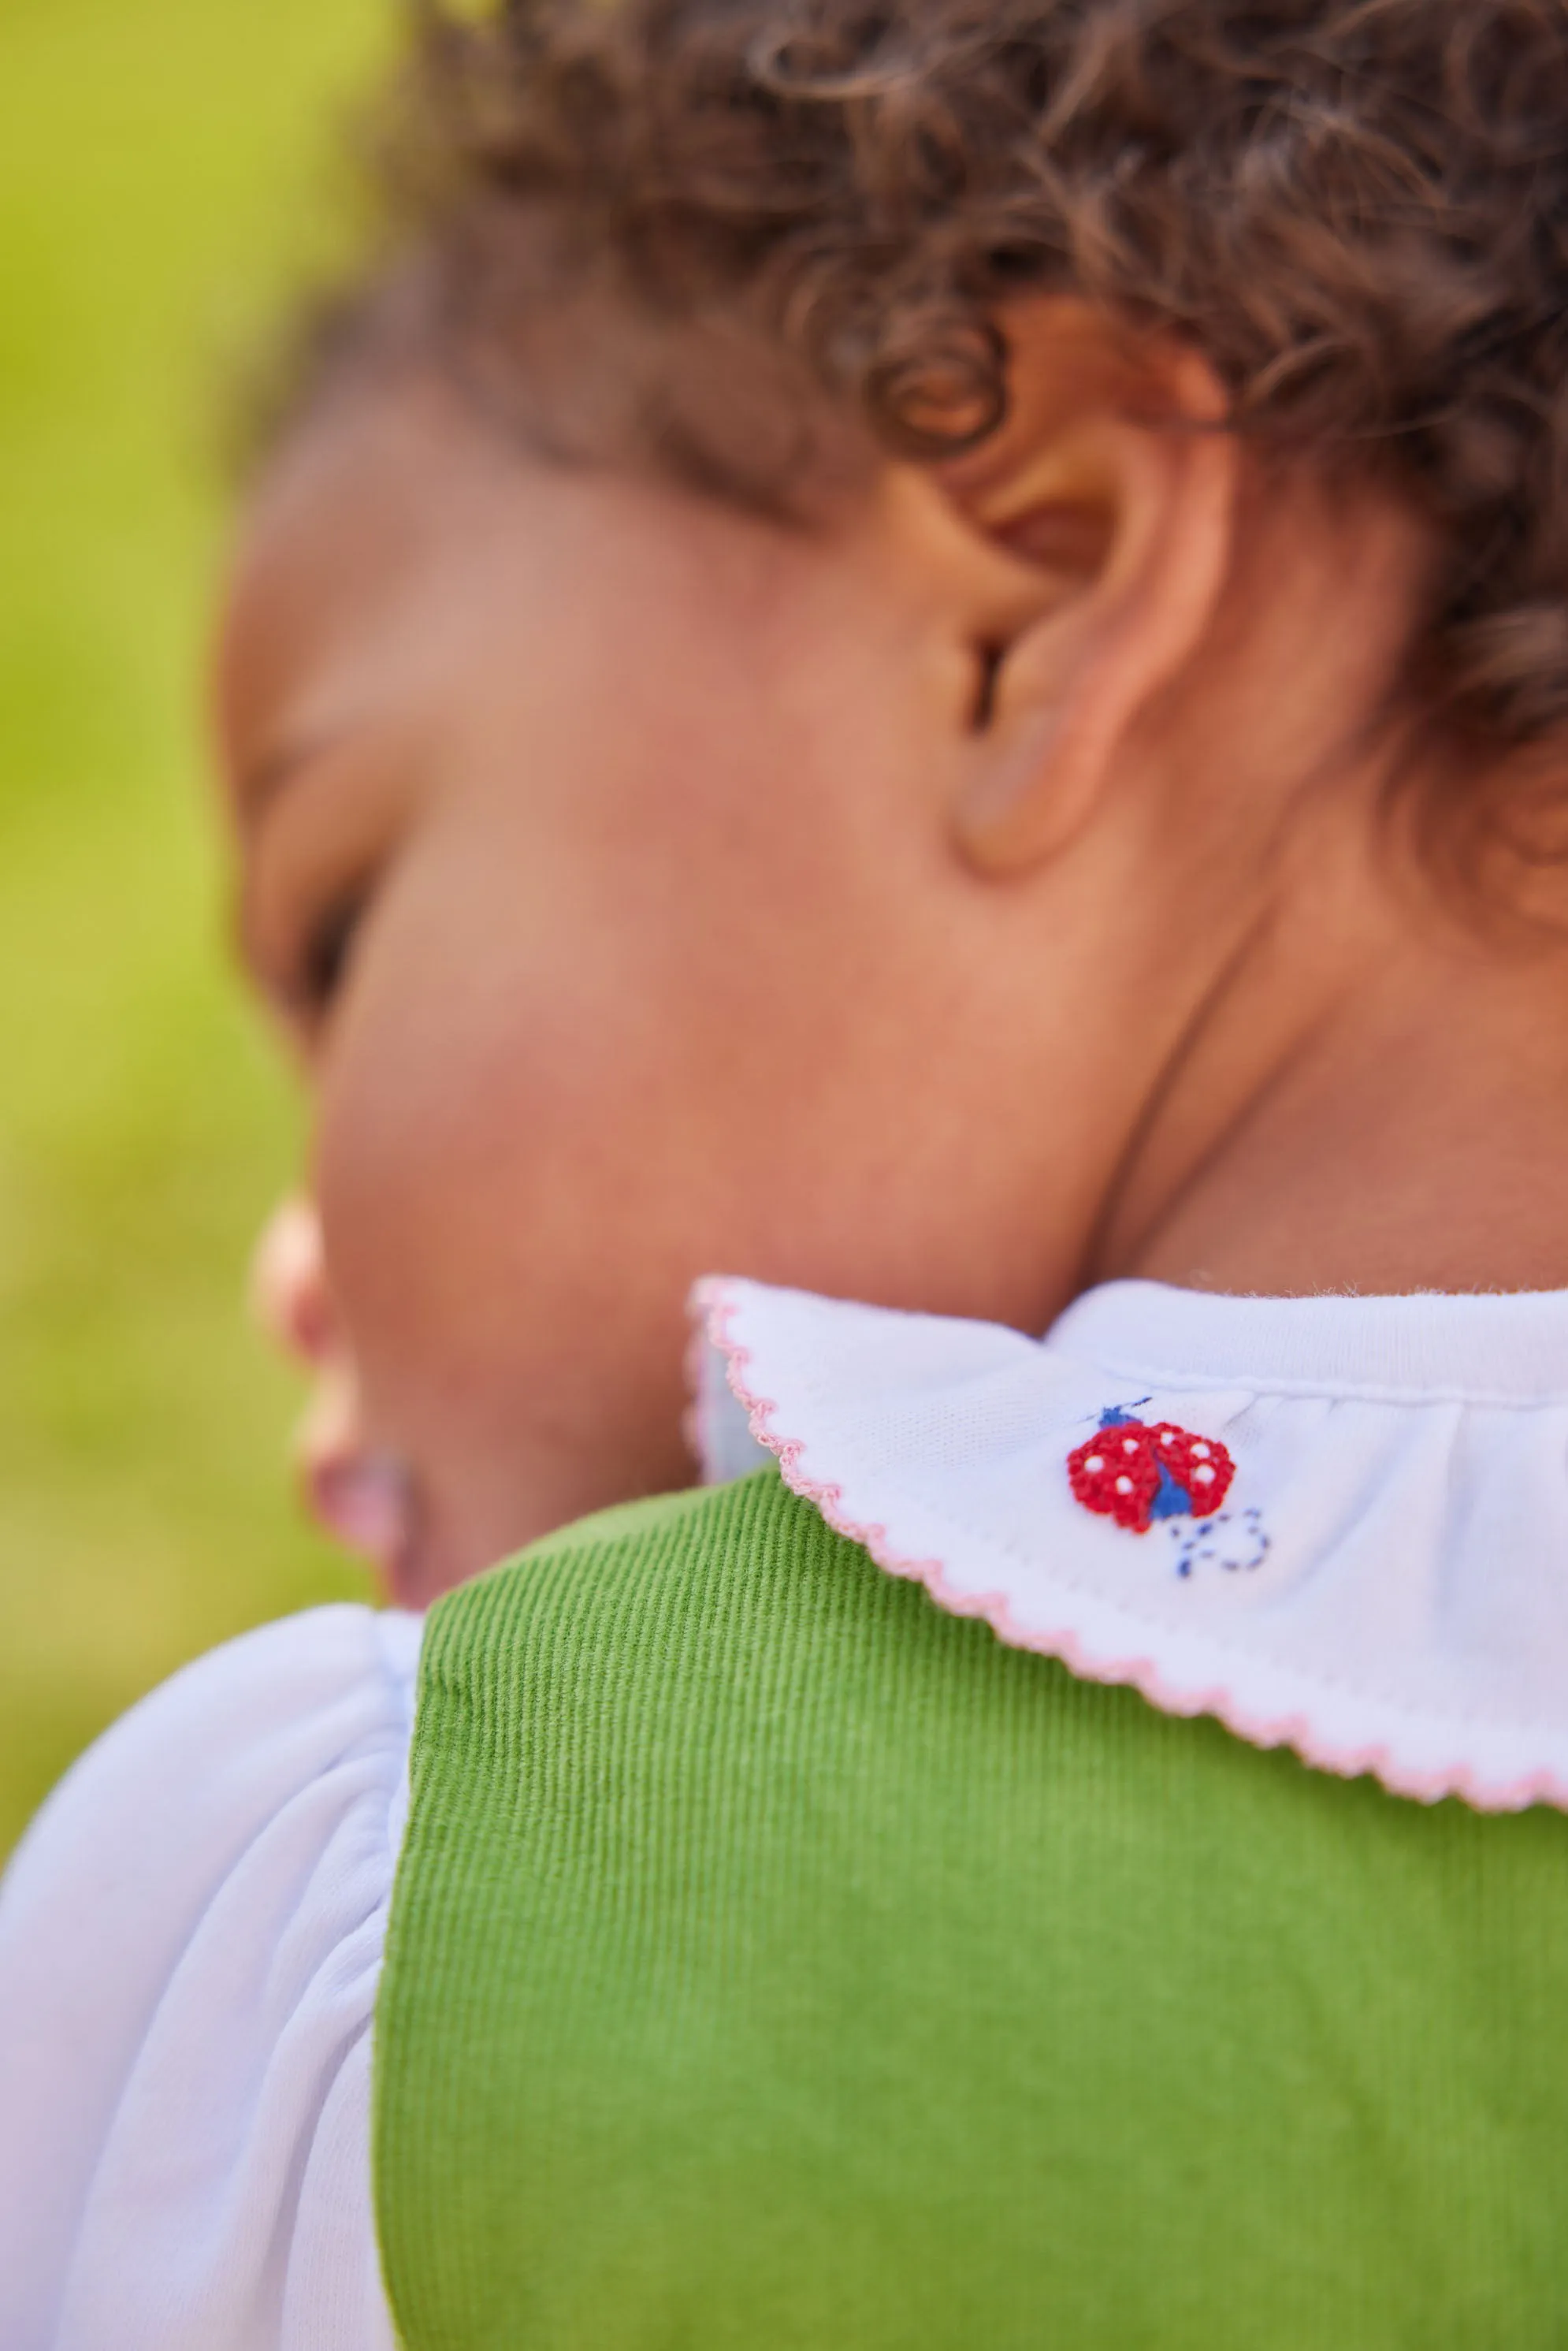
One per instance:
(714, 1301)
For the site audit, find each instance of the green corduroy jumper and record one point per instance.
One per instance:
(777, 1960)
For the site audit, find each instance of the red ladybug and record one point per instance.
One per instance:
(1136, 1474)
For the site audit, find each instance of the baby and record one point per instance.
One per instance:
(904, 675)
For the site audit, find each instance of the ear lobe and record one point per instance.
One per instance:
(1007, 822)
(1075, 680)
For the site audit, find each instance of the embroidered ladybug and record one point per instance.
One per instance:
(1135, 1473)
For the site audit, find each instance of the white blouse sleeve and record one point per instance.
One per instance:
(190, 1943)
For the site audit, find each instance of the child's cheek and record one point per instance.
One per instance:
(505, 1261)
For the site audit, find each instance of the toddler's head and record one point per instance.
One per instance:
(864, 653)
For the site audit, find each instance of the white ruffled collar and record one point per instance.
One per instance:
(1382, 1586)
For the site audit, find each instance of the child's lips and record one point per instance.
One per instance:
(361, 1494)
(364, 1503)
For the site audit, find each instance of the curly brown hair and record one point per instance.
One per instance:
(1357, 209)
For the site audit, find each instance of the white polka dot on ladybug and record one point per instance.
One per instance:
(1203, 1476)
(1123, 1485)
(1096, 1463)
(1129, 1445)
(1201, 1452)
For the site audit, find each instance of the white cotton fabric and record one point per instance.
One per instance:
(191, 1938)
(1385, 1587)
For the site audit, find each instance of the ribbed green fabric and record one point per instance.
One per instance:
(778, 1961)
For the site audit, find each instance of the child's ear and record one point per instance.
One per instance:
(1115, 483)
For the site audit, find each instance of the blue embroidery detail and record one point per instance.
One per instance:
(1171, 1501)
(1237, 1541)
(1117, 1416)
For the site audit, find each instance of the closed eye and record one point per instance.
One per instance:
(328, 951)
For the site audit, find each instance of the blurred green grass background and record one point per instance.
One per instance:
(162, 172)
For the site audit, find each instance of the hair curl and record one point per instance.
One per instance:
(1357, 209)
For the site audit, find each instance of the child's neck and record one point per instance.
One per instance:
(1376, 1102)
